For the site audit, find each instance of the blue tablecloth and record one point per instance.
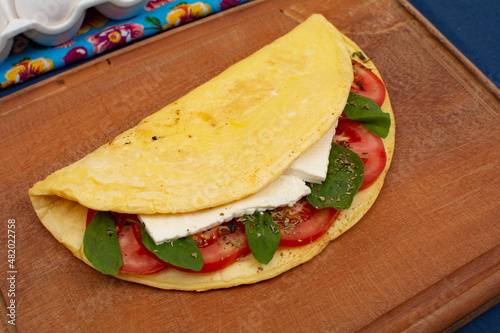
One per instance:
(488, 322)
(473, 28)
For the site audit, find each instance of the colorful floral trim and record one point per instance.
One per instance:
(99, 34)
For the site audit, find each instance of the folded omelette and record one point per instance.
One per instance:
(223, 141)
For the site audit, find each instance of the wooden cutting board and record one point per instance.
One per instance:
(426, 255)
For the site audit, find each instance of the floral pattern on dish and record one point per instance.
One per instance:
(75, 54)
(26, 69)
(114, 36)
(155, 4)
(225, 4)
(158, 15)
(184, 12)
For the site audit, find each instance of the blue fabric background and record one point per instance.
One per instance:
(487, 322)
(473, 26)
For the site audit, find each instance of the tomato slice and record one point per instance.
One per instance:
(221, 246)
(302, 223)
(90, 215)
(368, 146)
(367, 84)
(136, 257)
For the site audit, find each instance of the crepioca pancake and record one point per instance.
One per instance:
(260, 115)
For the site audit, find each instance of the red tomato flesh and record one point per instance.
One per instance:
(302, 223)
(368, 146)
(136, 257)
(367, 84)
(90, 215)
(220, 246)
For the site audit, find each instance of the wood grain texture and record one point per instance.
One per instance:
(425, 256)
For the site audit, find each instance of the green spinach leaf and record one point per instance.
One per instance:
(182, 252)
(343, 180)
(369, 114)
(100, 244)
(263, 235)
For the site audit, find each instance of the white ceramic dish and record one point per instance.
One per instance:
(54, 22)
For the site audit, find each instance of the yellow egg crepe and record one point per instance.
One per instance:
(223, 141)
(262, 112)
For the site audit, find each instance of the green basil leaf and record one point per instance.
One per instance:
(369, 114)
(263, 235)
(343, 180)
(183, 252)
(100, 244)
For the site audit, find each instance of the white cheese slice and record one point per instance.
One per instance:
(312, 165)
(285, 190)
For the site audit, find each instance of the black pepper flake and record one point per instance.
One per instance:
(154, 138)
